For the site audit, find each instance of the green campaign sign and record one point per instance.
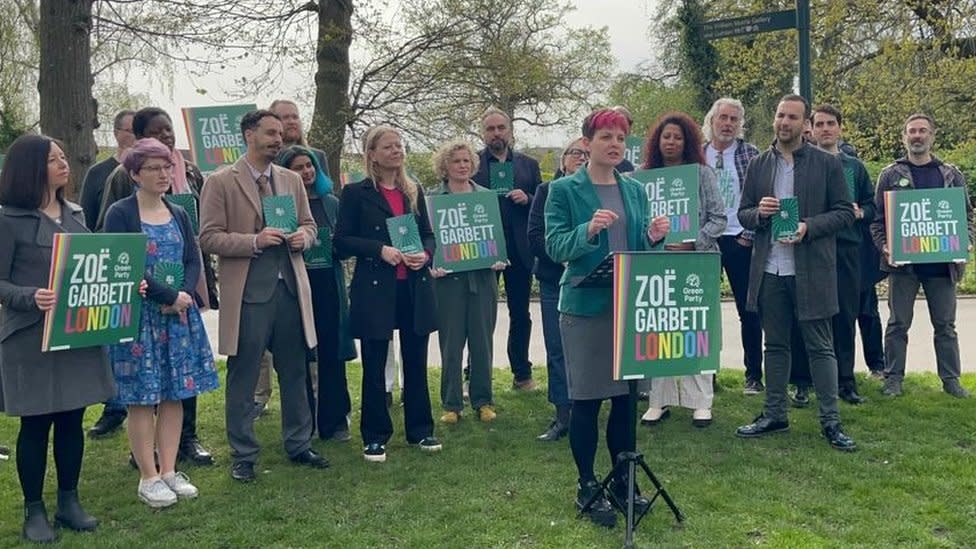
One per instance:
(673, 192)
(666, 314)
(96, 279)
(632, 151)
(468, 230)
(927, 225)
(215, 134)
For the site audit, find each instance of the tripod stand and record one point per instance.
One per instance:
(629, 461)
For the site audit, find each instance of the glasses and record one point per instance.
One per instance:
(167, 168)
(577, 153)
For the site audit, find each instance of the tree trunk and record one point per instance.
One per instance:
(332, 109)
(68, 110)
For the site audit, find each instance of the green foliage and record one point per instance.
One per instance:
(700, 59)
(647, 99)
(877, 61)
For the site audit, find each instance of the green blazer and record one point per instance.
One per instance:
(569, 208)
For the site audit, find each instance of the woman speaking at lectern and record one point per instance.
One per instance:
(589, 214)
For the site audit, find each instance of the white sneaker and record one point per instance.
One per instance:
(179, 483)
(155, 493)
(702, 417)
(653, 416)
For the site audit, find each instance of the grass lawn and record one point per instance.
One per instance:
(911, 484)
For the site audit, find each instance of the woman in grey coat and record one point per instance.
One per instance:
(675, 140)
(44, 389)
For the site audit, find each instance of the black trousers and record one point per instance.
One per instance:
(375, 425)
(869, 322)
(333, 404)
(735, 261)
(69, 448)
(518, 284)
(843, 323)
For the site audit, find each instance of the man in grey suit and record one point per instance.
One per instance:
(267, 302)
(795, 280)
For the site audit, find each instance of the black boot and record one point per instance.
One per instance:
(36, 527)
(71, 515)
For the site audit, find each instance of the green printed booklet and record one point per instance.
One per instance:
(786, 222)
(189, 203)
(280, 213)
(502, 177)
(169, 273)
(404, 233)
(319, 256)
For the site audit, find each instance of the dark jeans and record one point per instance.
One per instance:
(69, 448)
(555, 363)
(333, 405)
(843, 323)
(778, 310)
(940, 296)
(869, 322)
(735, 261)
(518, 283)
(375, 424)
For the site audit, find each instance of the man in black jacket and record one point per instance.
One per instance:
(795, 279)
(496, 128)
(114, 413)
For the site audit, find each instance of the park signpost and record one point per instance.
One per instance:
(798, 18)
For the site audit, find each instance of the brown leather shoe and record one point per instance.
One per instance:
(525, 385)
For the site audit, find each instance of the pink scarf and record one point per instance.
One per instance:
(180, 185)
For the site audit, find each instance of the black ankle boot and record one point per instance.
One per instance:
(71, 515)
(36, 527)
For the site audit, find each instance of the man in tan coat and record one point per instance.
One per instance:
(266, 301)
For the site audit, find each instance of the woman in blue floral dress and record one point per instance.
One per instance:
(171, 359)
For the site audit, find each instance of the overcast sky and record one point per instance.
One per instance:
(627, 20)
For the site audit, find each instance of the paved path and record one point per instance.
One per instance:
(921, 356)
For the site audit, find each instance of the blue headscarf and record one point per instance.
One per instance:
(323, 184)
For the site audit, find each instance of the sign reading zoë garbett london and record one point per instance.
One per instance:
(215, 134)
(468, 231)
(927, 225)
(666, 314)
(96, 281)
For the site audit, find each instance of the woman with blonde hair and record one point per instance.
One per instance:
(390, 290)
(467, 301)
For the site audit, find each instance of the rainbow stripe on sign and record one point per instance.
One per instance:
(621, 289)
(55, 277)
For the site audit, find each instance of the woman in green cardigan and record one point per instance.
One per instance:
(467, 302)
(588, 215)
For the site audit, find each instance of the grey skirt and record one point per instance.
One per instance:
(588, 352)
(35, 383)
